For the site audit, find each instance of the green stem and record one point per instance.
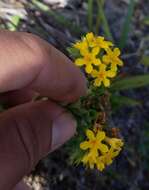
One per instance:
(90, 14)
(104, 21)
(98, 20)
(126, 26)
(57, 17)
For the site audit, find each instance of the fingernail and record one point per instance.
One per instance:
(64, 127)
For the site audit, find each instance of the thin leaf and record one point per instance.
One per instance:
(98, 19)
(57, 17)
(104, 21)
(13, 24)
(146, 20)
(40, 5)
(130, 83)
(127, 23)
(73, 52)
(118, 101)
(145, 60)
(90, 15)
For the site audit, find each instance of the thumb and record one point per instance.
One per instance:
(27, 133)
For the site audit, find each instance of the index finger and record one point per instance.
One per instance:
(29, 62)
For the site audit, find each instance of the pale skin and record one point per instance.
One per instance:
(30, 130)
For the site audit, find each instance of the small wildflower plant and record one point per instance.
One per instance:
(96, 143)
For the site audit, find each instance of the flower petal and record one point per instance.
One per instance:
(94, 73)
(89, 36)
(96, 61)
(84, 51)
(103, 148)
(100, 39)
(91, 165)
(117, 51)
(85, 159)
(84, 145)
(100, 135)
(109, 43)
(100, 163)
(100, 166)
(90, 135)
(114, 67)
(106, 59)
(79, 62)
(106, 82)
(111, 73)
(120, 62)
(97, 82)
(115, 153)
(109, 161)
(95, 51)
(89, 68)
(102, 67)
(108, 51)
(77, 45)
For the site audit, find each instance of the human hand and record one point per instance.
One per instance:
(30, 130)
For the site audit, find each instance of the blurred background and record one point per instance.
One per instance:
(126, 23)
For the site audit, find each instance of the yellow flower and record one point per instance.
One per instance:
(113, 58)
(81, 45)
(100, 164)
(102, 76)
(98, 155)
(89, 59)
(93, 49)
(99, 41)
(89, 159)
(115, 143)
(94, 142)
(107, 158)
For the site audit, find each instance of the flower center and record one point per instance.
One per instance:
(101, 75)
(87, 58)
(93, 142)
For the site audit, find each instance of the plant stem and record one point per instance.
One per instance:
(126, 25)
(98, 19)
(57, 17)
(98, 22)
(90, 15)
(104, 20)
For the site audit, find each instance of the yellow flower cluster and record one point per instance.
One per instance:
(99, 57)
(100, 149)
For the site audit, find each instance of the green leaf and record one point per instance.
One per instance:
(146, 20)
(104, 20)
(126, 25)
(130, 83)
(57, 17)
(118, 101)
(145, 60)
(98, 19)
(90, 15)
(40, 5)
(73, 52)
(15, 20)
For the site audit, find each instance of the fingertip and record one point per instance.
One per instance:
(22, 186)
(83, 86)
(78, 86)
(64, 127)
